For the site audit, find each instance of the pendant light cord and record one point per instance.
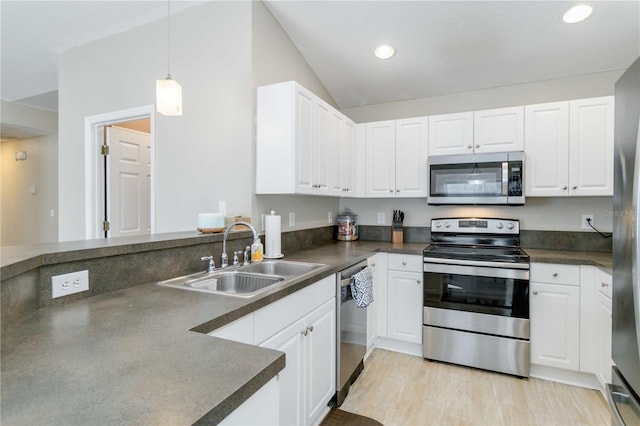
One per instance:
(168, 38)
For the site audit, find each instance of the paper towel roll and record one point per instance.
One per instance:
(272, 235)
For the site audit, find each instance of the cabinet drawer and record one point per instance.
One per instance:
(276, 316)
(555, 274)
(405, 262)
(604, 283)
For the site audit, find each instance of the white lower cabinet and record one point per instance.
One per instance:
(308, 381)
(303, 326)
(604, 324)
(570, 312)
(260, 409)
(405, 306)
(555, 325)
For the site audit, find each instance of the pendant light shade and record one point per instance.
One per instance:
(168, 96)
(168, 91)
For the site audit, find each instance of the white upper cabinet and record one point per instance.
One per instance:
(451, 134)
(547, 149)
(569, 148)
(492, 130)
(498, 130)
(300, 143)
(396, 158)
(591, 146)
(380, 154)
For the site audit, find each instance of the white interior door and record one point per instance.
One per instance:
(128, 182)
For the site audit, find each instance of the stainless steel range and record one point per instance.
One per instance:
(476, 295)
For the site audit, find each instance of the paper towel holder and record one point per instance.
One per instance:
(268, 240)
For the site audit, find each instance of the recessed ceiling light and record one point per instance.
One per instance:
(577, 13)
(384, 51)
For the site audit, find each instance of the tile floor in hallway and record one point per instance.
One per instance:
(399, 389)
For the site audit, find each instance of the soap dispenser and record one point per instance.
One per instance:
(257, 250)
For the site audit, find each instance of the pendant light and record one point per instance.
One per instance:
(168, 91)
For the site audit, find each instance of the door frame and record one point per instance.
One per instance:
(94, 171)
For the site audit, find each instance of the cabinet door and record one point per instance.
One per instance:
(380, 158)
(412, 144)
(405, 306)
(546, 146)
(555, 325)
(340, 155)
(304, 139)
(591, 146)
(320, 356)
(451, 134)
(290, 341)
(498, 130)
(350, 163)
(323, 145)
(603, 330)
(382, 309)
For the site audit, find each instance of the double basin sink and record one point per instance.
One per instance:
(244, 281)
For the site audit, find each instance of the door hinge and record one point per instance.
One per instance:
(105, 225)
(104, 150)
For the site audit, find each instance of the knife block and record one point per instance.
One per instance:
(397, 234)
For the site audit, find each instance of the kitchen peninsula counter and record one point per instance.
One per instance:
(141, 355)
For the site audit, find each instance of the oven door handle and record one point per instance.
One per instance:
(478, 271)
(489, 264)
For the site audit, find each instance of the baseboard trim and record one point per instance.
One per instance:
(568, 377)
(408, 348)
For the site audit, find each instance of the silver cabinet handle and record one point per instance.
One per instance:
(555, 274)
(477, 145)
(469, 147)
(603, 284)
(310, 328)
(564, 188)
(404, 263)
(574, 187)
(391, 190)
(535, 292)
(305, 332)
(397, 190)
(419, 282)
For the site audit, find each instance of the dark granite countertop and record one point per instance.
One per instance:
(139, 355)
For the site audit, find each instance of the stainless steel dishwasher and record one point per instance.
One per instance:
(351, 334)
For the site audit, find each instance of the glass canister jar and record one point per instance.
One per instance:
(347, 226)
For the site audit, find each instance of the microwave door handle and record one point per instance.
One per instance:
(505, 178)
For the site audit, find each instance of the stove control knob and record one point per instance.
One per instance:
(510, 225)
(499, 225)
(438, 224)
(447, 224)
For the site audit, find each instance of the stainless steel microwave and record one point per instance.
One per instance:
(496, 178)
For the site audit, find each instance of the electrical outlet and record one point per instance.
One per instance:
(585, 224)
(292, 219)
(381, 218)
(64, 285)
(330, 217)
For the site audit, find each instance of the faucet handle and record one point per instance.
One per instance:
(246, 256)
(212, 263)
(235, 257)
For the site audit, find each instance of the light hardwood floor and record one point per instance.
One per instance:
(398, 389)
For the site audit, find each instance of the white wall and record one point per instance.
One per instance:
(584, 86)
(201, 157)
(543, 214)
(25, 216)
(562, 214)
(276, 59)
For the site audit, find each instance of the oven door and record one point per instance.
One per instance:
(474, 288)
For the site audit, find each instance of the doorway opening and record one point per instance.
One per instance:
(119, 183)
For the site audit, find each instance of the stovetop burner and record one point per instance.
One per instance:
(476, 239)
(477, 252)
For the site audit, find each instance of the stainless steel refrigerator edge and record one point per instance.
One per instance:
(623, 392)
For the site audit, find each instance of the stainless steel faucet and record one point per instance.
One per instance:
(225, 258)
